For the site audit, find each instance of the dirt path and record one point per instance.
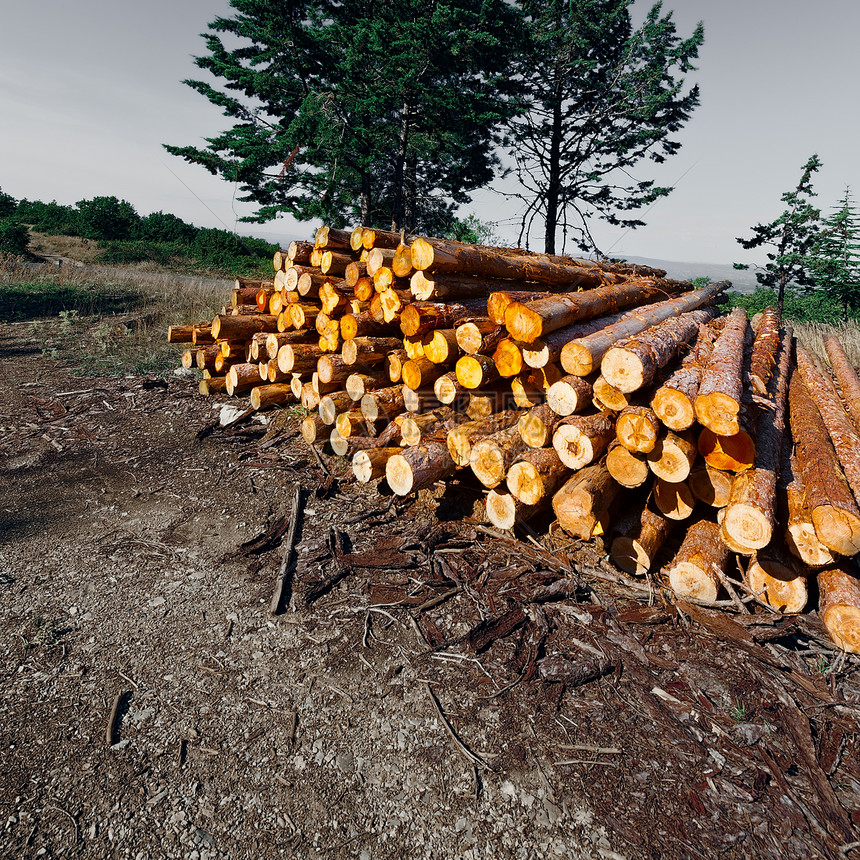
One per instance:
(319, 732)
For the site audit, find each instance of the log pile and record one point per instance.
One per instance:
(720, 457)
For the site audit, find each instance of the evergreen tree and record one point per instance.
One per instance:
(791, 238)
(387, 113)
(835, 258)
(604, 98)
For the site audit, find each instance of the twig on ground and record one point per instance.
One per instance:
(472, 757)
(286, 566)
(110, 729)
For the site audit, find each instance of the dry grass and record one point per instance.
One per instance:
(811, 335)
(73, 247)
(107, 321)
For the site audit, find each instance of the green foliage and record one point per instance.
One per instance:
(812, 306)
(14, 237)
(8, 204)
(791, 238)
(474, 231)
(106, 218)
(344, 111)
(834, 260)
(52, 217)
(603, 100)
(701, 281)
(164, 227)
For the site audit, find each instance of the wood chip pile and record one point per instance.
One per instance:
(619, 401)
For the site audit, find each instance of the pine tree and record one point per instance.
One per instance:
(791, 236)
(604, 98)
(386, 113)
(835, 258)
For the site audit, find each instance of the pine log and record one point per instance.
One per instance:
(607, 396)
(329, 237)
(354, 272)
(333, 404)
(640, 534)
(238, 327)
(846, 377)
(440, 345)
(839, 607)
(363, 289)
(538, 425)
(476, 371)
(242, 283)
(765, 348)
(302, 315)
(421, 372)
(299, 252)
(675, 501)
(368, 349)
(635, 368)
(799, 530)
(294, 275)
(463, 437)
(298, 357)
(418, 467)
(525, 393)
(414, 347)
(695, 570)
(401, 265)
(479, 335)
(843, 435)
(418, 426)
(581, 439)
(204, 358)
(447, 389)
(213, 385)
(313, 428)
(180, 334)
(751, 513)
(273, 372)
(539, 318)
(711, 486)
(354, 325)
(548, 350)
(536, 475)
(333, 298)
(241, 378)
(351, 423)
(831, 502)
(498, 301)
(359, 384)
(427, 287)
(296, 385)
(628, 468)
(504, 510)
(310, 398)
(369, 465)
(673, 456)
(487, 401)
(382, 403)
(385, 279)
(372, 238)
(334, 264)
(418, 319)
(634, 362)
(492, 456)
(508, 358)
(718, 400)
(419, 400)
(243, 295)
(378, 258)
(777, 579)
(727, 453)
(392, 302)
(570, 394)
(638, 428)
(582, 504)
(276, 394)
(394, 364)
(332, 368)
(349, 447)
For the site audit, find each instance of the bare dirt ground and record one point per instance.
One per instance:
(442, 693)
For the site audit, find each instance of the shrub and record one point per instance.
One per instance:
(8, 204)
(14, 237)
(164, 227)
(106, 218)
(811, 306)
(48, 217)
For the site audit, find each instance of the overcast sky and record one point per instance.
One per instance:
(89, 90)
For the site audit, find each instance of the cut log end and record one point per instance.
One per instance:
(778, 585)
(748, 526)
(729, 453)
(719, 413)
(689, 581)
(628, 554)
(837, 529)
(673, 408)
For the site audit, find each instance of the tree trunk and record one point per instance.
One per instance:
(418, 467)
(461, 438)
(369, 465)
(582, 504)
(694, 571)
(536, 475)
(839, 607)
(765, 348)
(582, 439)
(846, 377)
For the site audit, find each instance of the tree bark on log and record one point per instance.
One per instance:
(582, 504)
(276, 394)
(420, 373)
(765, 348)
(333, 404)
(418, 319)
(363, 324)
(845, 439)
(447, 389)
(581, 439)
(536, 475)
(419, 399)
(640, 534)
(846, 377)
(479, 335)
(831, 503)
(537, 426)
(750, 514)
(418, 467)
(799, 530)
(382, 403)
(548, 350)
(369, 465)
(332, 238)
(539, 318)
(359, 384)
(332, 368)
(369, 349)
(634, 363)
(299, 357)
(461, 438)
(498, 301)
(238, 327)
(426, 287)
(839, 607)
(508, 358)
(492, 456)
(585, 354)
(440, 345)
(718, 400)
(695, 570)
(476, 371)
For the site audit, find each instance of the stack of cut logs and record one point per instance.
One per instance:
(618, 399)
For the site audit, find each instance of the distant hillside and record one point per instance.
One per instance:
(743, 281)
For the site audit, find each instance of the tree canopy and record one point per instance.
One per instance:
(603, 99)
(382, 113)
